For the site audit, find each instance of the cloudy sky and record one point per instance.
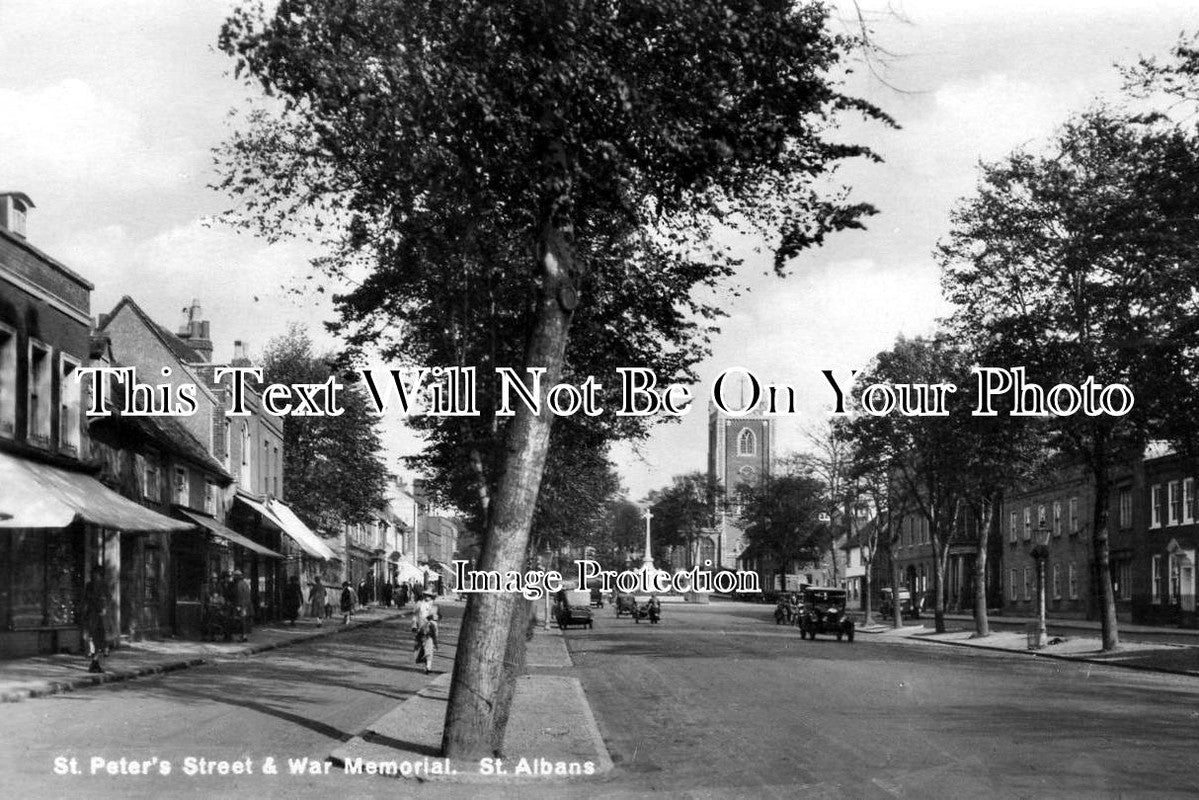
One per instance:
(109, 110)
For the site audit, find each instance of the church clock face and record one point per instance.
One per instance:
(747, 472)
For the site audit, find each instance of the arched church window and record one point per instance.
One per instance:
(747, 443)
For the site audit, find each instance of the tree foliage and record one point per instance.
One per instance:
(785, 518)
(491, 174)
(333, 466)
(1079, 263)
(683, 510)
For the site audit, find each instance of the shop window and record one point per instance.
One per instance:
(39, 394)
(1155, 579)
(1057, 517)
(8, 382)
(1125, 508)
(1056, 573)
(1155, 506)
(1174, 500)
(1072, 580)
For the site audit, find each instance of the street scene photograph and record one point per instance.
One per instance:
(599, 399)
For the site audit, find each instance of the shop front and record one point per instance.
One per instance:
(56, 527)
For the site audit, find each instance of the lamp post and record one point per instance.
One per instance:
(1040, 552)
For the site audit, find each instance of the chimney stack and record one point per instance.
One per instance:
(14, 206)
(240, 356)
(195, 332)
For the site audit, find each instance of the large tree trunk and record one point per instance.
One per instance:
(1099, 542)
(479, 695)
(982, 625)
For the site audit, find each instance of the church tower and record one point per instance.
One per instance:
(740, 449)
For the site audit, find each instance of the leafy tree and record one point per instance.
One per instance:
(480, 157)
(682, 511)
(332, 465)
(828, 459)
(784, 517)
(919, 453)
(1079, 264)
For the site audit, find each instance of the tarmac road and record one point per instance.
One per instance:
(717, 701)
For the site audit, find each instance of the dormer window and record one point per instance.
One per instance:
(14, 206)
(18, 218)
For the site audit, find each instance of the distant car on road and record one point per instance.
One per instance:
(625, 604)
(823, 611)
(573, 607)
(597, 597)
(906, 608)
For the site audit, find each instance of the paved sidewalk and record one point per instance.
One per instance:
(1085, 647)
(551, 731)
(24, 678)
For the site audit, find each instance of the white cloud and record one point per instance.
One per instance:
(68, 136)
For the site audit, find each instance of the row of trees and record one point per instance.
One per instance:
(1075, 262)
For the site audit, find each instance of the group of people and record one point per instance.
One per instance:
(321, 597)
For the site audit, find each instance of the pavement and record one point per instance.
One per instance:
(551, 731)
(39, 676)
(1075, 640)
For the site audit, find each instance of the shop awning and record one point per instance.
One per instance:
(217, 529)
(285, 520)
(35, 495)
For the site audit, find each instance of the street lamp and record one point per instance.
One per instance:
(1040, 552)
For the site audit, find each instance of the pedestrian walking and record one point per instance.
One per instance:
(424, 630)
(245, 604)
(95, 613)
(316, 599)
(347, 603)
(403, 595)
(293, 599)
(387, 595)
(363, 592)
(426, 611)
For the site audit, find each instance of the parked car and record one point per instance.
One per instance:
(625, 604)
(597, 597)
(573, 607)
(906, 608)
(823, 611)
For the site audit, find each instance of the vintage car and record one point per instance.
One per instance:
(572, 607)
(597, 597)
(906, 609)
(625, 604)
(823, 611)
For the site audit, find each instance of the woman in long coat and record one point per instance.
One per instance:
(317, 599)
